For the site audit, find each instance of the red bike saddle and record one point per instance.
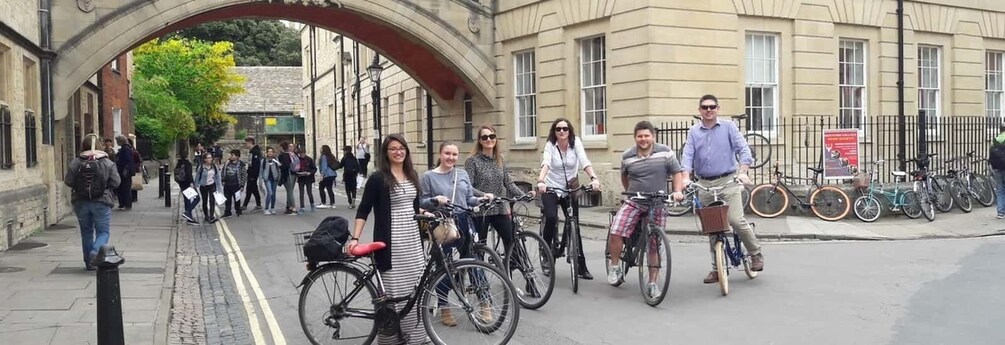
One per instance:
(364, 249)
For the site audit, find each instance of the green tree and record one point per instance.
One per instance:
(160, 115)
(256, 42)
(199, 75)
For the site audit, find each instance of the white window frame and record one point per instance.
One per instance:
(933, 128)
(115, 64)
(848, 82)
(528, 75)
(589, 130)
(763, 82)
(994, 109)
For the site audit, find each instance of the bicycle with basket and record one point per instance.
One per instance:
(728, 251)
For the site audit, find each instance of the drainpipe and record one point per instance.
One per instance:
(314, 113)
(901, 117)
(429, 131)
(45, 35)
(359, 106)
(341, 63)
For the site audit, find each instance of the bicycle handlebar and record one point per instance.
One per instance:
(553, 190)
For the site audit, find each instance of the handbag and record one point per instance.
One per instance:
(446, 231)
(137, 182)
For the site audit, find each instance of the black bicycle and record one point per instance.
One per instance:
(569, 244)
(647, 248)
(344, 302)
(527, 258)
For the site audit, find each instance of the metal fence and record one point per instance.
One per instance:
(797, 142)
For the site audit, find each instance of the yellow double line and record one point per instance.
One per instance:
(238, 265)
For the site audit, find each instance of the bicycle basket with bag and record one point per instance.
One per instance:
(327, 241)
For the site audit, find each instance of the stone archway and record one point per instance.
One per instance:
(440, 45)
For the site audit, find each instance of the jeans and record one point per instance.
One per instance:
(309, 185)
(350, 188)
(228, 192)
(94, 218)
(270, 195)
(464, 226)
(290, 184)
(189, 204)
(999, 176)
(208, 201)
(327, 189)
(252, 190)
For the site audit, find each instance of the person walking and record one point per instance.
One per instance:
(328, 165)
(235, 177)
(996, 157)
(487, 170)
(209, 181)
(289, 166)
(363, 155)
(350, 171)
(93, 177)
(126, 165)
(305, 179)
(391, 195)
(271, 177)
(254, 168)
(183, 176)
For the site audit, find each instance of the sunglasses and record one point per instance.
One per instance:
(561, 129)
(489, 136)
(709, 107)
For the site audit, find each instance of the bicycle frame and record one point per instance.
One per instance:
(895, 198)
(780, 182)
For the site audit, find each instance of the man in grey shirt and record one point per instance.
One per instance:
(645, 167)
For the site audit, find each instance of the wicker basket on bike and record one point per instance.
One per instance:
(714, 218)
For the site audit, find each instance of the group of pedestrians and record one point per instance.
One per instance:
(234, 179)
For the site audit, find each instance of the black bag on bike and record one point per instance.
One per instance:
(327, 241)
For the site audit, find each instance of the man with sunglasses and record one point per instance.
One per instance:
(709, 153)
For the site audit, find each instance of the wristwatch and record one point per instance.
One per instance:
(593, 178)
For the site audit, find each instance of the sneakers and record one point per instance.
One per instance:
(191, 222)
(323, 206)
(654, 291)
(256, 209)
(332, 206)
(187, 217)
(352, 206)
(1001, 216)
(614, 275)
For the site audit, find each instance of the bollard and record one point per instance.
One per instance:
(109, 297)
(160, 180)
(167, 189)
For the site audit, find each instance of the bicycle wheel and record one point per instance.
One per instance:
(573, 256)
(982, 189)
(684, 207)
(748, 264)
(760, 149)
(720, 267)
(626, 244)
(326, 317)
(911, 205)
(867, 208)
(481, 301)
(529, 257)
(944, 199)
(655, 265)
(925, 201)
(961, 196)
(829, 203)
(484, 253)
(768, 200)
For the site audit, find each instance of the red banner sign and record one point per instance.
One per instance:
(841, 148)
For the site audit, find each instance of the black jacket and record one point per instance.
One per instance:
(308, 168)
(377, 199)
(184, 180)
(350, 167)
(256, 162)
(284, 167)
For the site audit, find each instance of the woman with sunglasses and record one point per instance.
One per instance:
(563, 155)
(488, 174)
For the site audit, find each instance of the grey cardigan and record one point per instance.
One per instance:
(489, 177)
(435, 184)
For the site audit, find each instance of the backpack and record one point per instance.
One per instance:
(181, 173)
(91, 179)
(326, 242)
(232, 173)
(997, 156)
(294, 162)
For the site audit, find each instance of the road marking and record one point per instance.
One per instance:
(277, 333)
(245, 299)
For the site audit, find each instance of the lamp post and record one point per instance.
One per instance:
(374, 72)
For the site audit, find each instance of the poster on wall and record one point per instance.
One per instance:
(841, 147)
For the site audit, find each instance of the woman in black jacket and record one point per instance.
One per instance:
(305, 179)
(350, 170)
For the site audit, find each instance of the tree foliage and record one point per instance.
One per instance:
(179, 75)
(160, 115)
(256, 42)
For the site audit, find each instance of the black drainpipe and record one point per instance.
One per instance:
(314, 114)
(901, 117)
(45, 35)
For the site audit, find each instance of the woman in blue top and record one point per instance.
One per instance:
(438, 188)
(327, 164)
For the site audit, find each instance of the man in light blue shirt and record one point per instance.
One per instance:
(710, 152)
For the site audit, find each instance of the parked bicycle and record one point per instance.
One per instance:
(923, 187)
(727, 251)
(971, 185)
(826, 202)
(647, 248)
(569, 245)
(760, 146)
(868, 207)
(344, 301)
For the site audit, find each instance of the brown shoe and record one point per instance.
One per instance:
(757, 262)
(447, 318)
(713, 277)
(486, 312)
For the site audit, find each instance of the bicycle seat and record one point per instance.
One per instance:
(898, 173)
(738, 117)
(816, 170)
(364, 249)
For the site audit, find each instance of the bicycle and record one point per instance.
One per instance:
(519, 258)
(714, 222)
(570, 233)
(973, 185)
(926, 198)
(678, 209)
(826, 202)
(642, 249)
(868, 207)
(760, 146)
(488, 312)
(478, 249)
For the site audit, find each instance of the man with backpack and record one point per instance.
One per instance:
(235, 177)
(92, 176)
(183, 176)
(997, 159)
(350, 170)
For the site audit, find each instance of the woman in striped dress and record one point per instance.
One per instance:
(391, 194)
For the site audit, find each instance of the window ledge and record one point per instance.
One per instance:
(595, 144)
(524, 146)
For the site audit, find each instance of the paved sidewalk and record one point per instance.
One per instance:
(48, 298)
(954, 224)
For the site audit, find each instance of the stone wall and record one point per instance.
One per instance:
(22, 213)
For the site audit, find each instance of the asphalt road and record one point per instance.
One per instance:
(908, 292)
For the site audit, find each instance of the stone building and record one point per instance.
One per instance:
(269, 109)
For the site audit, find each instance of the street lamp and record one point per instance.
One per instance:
(374, 72)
